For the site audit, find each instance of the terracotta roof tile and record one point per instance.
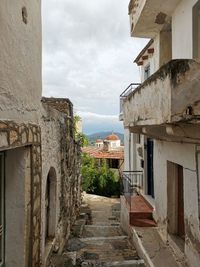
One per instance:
(102, 154)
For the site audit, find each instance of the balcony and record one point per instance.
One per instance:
(147, 17)
(166, 101)
(124, 95)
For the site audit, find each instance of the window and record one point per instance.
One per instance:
(147, 72)
(2, 203)
(113, 163)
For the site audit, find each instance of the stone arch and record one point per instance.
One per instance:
(50, 204)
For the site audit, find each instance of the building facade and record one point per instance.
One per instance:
(161, 119)
(39, 158)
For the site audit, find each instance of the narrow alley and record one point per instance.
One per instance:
(97, 239)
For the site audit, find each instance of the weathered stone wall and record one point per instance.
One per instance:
(13, 136)
(60, 151)
(20, 57)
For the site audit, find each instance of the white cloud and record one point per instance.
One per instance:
(99, 122)
(88, 53)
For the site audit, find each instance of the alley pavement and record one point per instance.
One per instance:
(97, 239)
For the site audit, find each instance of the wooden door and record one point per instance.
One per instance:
(150, 171)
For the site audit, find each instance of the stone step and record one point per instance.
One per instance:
(102, 238)
(101, 231)
(141, 215)
(130, 263)
(143, 223)
(107, 249)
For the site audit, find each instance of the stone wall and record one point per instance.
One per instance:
(13, 136)
(62, 152)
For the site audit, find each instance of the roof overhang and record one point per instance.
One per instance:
(148, 17)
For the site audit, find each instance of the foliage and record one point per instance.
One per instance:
(99, 180)
(81, 137)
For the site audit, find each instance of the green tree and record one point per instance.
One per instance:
(81, 137)
(98, 180)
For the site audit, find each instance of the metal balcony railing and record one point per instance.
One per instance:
(132, 182)
(126, 93)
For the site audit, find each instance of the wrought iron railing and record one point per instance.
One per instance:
(131, 182)
(126, 93)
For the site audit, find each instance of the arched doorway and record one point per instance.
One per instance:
(50, 205)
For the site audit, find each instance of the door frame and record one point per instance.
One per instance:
(175, 200)
(2, 209)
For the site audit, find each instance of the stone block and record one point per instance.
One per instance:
(13, 137)
(3, 125)
(3, 139)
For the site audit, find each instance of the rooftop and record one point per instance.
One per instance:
(102, 154)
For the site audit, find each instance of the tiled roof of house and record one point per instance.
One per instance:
(112, 137)
(102, 154)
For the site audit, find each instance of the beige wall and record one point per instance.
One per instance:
(20, 57)
(184, 155)
(17, 207)
(182, 30)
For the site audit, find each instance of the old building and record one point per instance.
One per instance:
(109, 150)
(39, 158)
(161, 120)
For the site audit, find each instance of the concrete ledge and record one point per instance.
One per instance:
(140, 248)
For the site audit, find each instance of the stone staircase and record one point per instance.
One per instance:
(101, 241)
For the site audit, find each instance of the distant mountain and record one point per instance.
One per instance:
(102, 135)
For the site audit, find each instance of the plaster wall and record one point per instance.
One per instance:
(17, 207)
(129, 151)
(184, 155)
(153, 60)
(139, 108)
(182, 30)
(20, 57)
(115, 144)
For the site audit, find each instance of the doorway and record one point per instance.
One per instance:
(2, 210)
(50, 206)
(175, 196)
(150, 171)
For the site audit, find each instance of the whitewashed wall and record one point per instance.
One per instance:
(182, 30)
(184, 155)
(20, 57)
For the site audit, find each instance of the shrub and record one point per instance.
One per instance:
(99, 180)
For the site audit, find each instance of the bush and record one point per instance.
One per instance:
(99, 180)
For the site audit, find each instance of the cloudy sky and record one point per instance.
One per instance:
(87, 57)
